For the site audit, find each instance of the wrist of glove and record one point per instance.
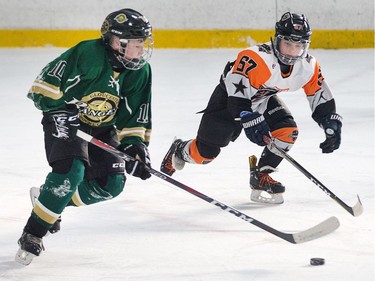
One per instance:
(332, 128)
(255, 127)
(66, 122)
(139, 166)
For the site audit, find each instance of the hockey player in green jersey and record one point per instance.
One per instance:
(102, 87)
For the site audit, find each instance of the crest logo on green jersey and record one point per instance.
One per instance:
(100, 108)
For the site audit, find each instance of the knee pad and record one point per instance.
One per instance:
(284, 137)
(288, 135)
(285, 130)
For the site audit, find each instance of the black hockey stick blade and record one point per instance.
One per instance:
(355, 211)
(317, 231)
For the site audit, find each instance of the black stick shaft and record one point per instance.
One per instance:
(355, 211)
(315, 232)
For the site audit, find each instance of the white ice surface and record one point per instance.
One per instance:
(154, 231)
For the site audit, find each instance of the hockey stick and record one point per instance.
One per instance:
(356, 210)
(317, 231)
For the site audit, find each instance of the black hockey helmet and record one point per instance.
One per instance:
(296, 29)
(294, 26)
(128, 24)
(125, 24)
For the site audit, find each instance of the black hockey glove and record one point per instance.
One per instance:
(255, 126)
(332, 128)
(138, 168)
(66, 122)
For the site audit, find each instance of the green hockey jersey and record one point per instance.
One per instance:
(83, 76)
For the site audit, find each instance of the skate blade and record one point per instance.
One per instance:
(265, 197)
(24, 257)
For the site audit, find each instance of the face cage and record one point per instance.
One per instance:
(290, 60)
(135, 64)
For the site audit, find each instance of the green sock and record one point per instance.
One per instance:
(57, 191)
(90, 192)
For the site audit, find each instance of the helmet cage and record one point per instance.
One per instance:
(128, 24)
(134, 63)
(289, 59)
(295, 29)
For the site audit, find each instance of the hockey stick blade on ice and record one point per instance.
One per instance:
(355, 211)
(317, 231)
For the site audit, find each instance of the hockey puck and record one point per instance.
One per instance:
(317, 261)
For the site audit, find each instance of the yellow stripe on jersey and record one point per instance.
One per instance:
(134, 132)
(44, 213)
(46, 89)
(148, 135)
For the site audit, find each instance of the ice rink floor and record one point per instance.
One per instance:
(154, 231)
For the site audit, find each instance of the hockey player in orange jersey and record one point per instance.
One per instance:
(248, 91)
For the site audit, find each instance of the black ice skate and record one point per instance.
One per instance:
(173, 160)
(262, 184)
(30, 247)
(34, 194)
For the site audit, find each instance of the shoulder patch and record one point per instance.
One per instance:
(264, 48)
(308, 58)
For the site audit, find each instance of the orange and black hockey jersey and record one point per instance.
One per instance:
(256, 75)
